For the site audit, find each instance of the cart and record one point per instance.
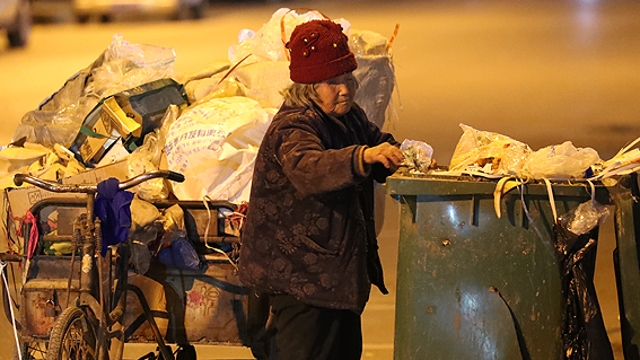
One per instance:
(82, 304)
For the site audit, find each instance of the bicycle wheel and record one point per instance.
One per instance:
(32, 350)
(72, 336)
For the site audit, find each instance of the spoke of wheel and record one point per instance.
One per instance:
(73, 344)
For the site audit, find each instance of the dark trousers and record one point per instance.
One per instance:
(305, 332)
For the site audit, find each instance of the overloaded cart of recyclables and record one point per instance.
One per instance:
(125, 193)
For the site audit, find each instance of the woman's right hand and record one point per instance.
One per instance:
(386, 154)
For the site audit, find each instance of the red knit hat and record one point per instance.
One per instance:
(319, 51)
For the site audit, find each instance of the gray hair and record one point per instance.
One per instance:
(299, 94)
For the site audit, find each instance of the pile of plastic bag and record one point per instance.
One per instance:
(494, 155)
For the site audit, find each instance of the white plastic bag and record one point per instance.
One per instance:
(214, 145)
(267, 43)
(560, 162)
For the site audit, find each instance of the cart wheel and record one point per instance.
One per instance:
(32, 350)
(72, 336)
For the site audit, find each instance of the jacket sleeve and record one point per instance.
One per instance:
(376, 137)
(309, 166)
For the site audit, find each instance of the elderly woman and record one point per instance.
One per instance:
(309, 240)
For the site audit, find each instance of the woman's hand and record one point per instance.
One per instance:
(386, 154)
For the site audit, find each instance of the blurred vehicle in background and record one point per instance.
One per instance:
(105, 10)
(15, 19)
(52, 10)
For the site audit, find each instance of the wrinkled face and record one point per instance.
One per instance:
(336, 94)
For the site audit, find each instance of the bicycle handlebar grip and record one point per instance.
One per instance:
(174, 176)
(18, 179)
(5, 257)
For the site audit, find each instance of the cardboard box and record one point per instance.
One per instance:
(118, 170)
(22, 199)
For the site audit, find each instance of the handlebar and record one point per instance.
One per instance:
(5, 257)
(19, 179)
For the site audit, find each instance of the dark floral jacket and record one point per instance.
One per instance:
(309, 230)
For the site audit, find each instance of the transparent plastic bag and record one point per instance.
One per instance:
(585, 217)
(127, 65)
(490, 152)
(140, 257)
(122, 66)
(417, 155)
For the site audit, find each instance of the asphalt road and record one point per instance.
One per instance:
(540, 72)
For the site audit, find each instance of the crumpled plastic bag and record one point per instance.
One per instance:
(560, 161)
(585, 217)
(127, 65)
(488, 152)
(417, 156)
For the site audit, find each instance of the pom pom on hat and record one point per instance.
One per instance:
(319, 51)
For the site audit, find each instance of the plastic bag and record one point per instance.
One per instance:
(180, 255)
(584, 218)
(376, 76)
(140, 257)
(584, 335)
(127, 65)
(146, 158)
(214, 145)
(267, 43)
(560, 161)
(417, 155)
(488, 152)
(122, 66)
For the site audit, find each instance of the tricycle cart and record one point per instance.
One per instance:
(74, 301)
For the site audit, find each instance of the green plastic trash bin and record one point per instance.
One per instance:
(474, 286)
